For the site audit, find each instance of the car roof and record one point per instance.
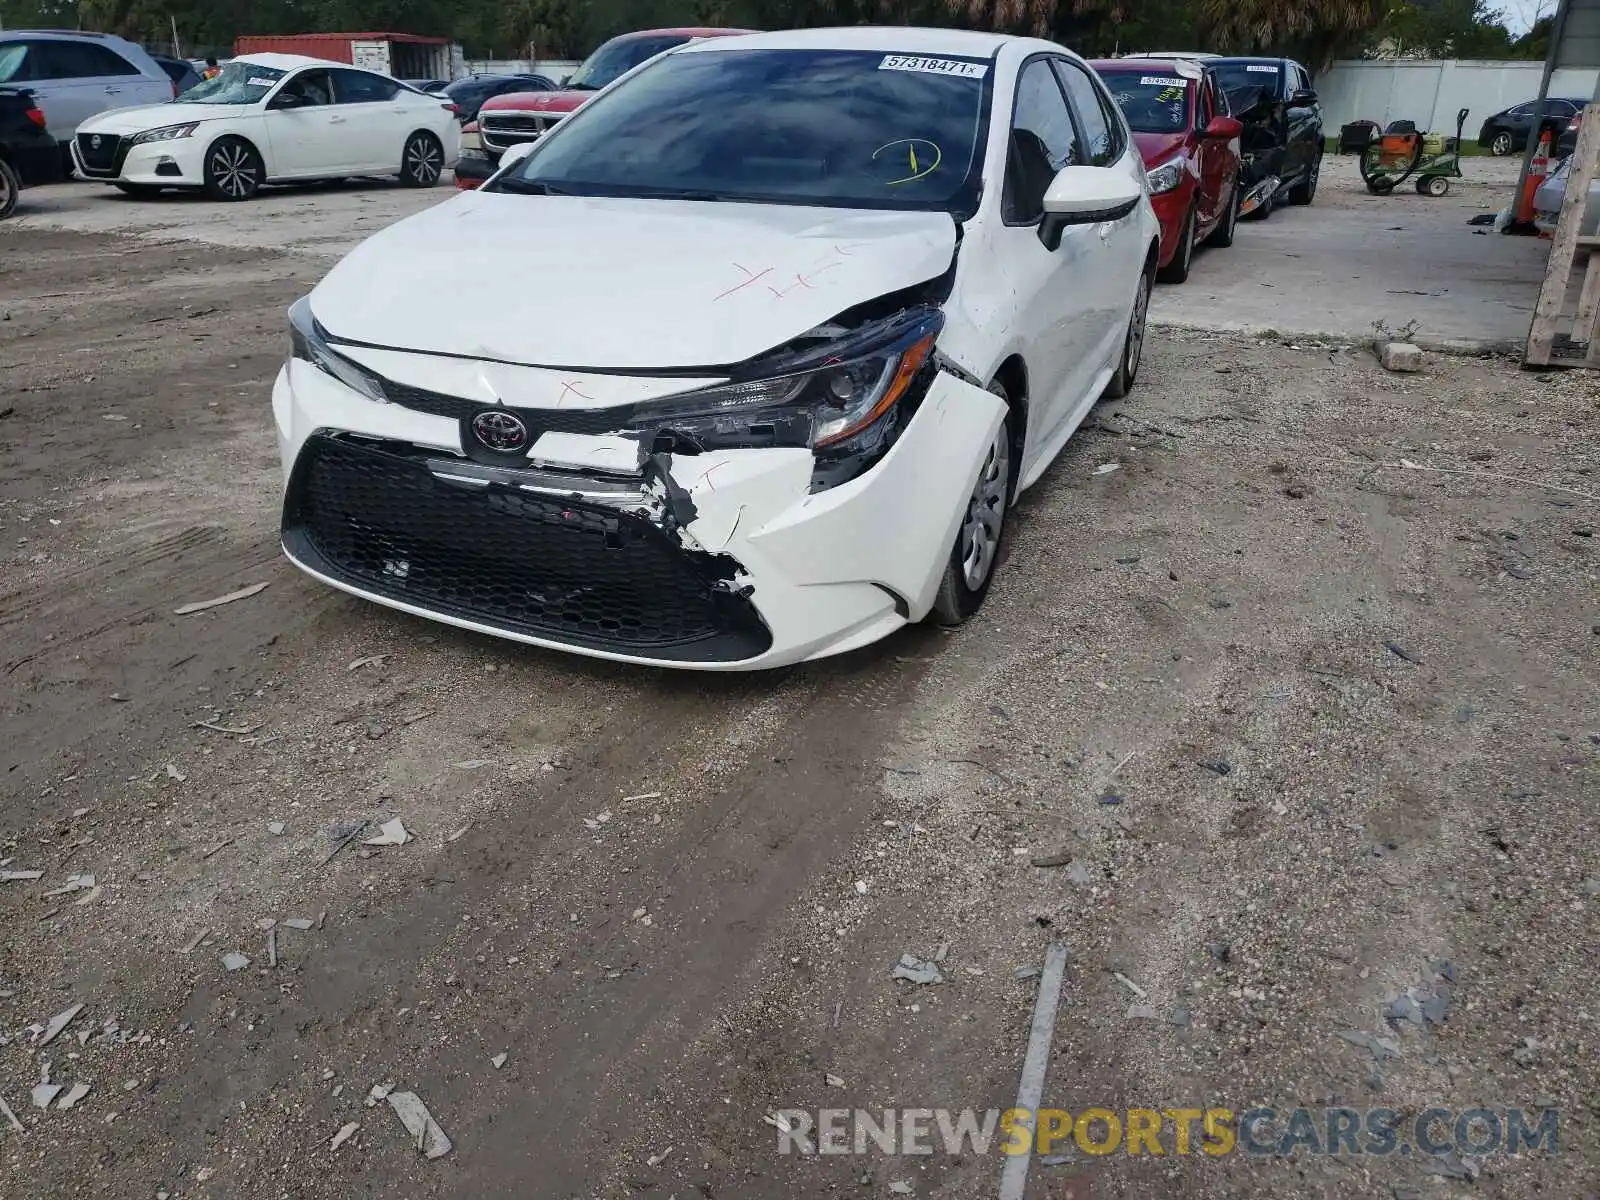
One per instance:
(1130, 65)
(289, 62)
(688, 31)
(890, 40)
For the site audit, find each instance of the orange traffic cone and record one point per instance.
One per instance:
(1537, 170)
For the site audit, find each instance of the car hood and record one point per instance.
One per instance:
(1158, 147)
(123, 121)
(551, 102)
(621, 284)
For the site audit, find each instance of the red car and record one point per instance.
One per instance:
(516, 117)
(1190, 145)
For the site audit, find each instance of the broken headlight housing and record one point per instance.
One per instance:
(1166, 177)
(845, 394)
(309, 342)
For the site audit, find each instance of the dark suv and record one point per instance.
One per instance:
(1282, 143)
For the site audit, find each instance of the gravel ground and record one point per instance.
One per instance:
(673, 901)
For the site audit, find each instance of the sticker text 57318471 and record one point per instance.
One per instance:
(933, 66)
(1159, 81)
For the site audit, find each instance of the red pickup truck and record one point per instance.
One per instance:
(503, 121)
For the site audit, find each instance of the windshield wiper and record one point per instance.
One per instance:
(579, 87)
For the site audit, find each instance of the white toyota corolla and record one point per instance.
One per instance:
(272, 118)
(742, 365)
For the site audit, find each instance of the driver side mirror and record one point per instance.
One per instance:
(285, 100)
(1086, 196)
(1303, 96)
(1224, 129)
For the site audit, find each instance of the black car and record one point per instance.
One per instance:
(1506, 132)
(182, 73)
(469, 94)
(1281, 150)
(28, 154)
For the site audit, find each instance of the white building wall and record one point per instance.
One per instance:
(1430, 92)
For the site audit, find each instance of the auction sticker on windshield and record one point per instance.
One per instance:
(1261, 69)
(933, 66)
(1159, 81)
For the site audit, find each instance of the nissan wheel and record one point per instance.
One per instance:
(422, 161)
(233, 169)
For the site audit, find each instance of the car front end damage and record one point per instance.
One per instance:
(795, 506)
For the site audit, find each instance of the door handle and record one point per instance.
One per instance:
(112, 91)
(335, 120)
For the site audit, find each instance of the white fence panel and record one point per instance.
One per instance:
(1430, 91)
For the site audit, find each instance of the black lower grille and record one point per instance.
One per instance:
(102, 153)
(379, 520)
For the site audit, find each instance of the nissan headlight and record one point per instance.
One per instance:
(1165, 177)
(838, 396)
(167, 133)
(309, 342)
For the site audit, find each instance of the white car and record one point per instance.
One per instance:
(740, 366)
(272, 118)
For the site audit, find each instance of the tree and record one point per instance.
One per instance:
(1444, 29)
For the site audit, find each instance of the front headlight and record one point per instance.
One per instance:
(826, 396)
(166, 133)
(308, 342)
(1165, 177)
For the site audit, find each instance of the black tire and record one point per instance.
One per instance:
(233, 170)
(1380, 187)
(10, 190)
(969, 571)
(1177, 270)
(1133, 344)
(1222, 235)
(137, 189)
(422, 160)
(1305, 191)
(1502, 143)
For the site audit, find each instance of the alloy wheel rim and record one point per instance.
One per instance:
(235, 174)
(1141, 307)
(980, 533)
(424, 160)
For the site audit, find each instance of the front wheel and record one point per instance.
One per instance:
(233, 170)
(1133, 345)
(970, 569)
(1177, 270)
(10, 190)
(1433, 185)
(1500, 144)
(422, 161)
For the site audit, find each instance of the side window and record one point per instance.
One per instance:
(313, 88)
(1521, 110)
(358, 87)
(1100, 145)
(81, 60)
(1204, 105)
(1043, 140)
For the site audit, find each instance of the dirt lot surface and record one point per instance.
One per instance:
(1304, 727)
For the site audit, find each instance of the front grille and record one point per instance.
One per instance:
(106, 158)
(499, 130)
(538, 420)
(375, 518)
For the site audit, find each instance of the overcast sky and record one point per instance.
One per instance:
(1521, 14)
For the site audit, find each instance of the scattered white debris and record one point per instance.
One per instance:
(174, 773)
(916, 970)
(204, 1173)
(378, 1094)
(370, 660)
(266, 923)
(20, 876)
(834, 1080)
(390, 833)
(43, 1093)
(779, 1122)
(190, 946)
(499, 1060)
(57, 1023)
(234, 961)
(1129, 984)
(472, 764)
(77, 1092)
(599, 819)
(11, 1117)
(243, 593)
(1399, 356)
(346, 1132)
(900, 1187)
(458, 834)
(275, 828)
(74, 883)
(424, 1130)
(300, 923)
(655, 1160)
(89, 897)
(642, 796)
(1106, 468)
(861, 887)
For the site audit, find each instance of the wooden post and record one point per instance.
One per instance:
(1564, 246)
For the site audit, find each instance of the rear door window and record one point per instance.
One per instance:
(80, 60)
(358, 87)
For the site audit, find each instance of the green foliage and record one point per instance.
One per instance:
(1449, 29)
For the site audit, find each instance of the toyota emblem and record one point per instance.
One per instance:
(500, 430)
(94, 142)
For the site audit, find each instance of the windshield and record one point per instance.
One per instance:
(840, 128)
(238, 83)
(1152, 103)
(617, 57)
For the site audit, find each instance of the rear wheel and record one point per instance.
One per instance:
(1433, 185)
(422, 161)
(1305, 191)
(234, 170)
(1222, 235)
(970, 569)
(10, 190)
(1177, 270)
(1133, 345)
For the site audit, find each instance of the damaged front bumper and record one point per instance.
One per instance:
(722, 560)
